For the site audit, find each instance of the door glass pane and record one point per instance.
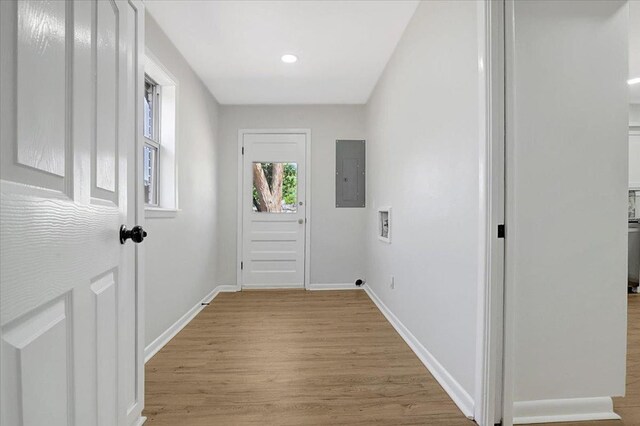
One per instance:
(150, 174)
(275, 187)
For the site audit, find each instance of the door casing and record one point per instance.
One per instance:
(240, 234)
(139, 205)
(488, 404)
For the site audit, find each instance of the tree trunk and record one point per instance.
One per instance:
(277, 176)
(269, 199)
(262, 188)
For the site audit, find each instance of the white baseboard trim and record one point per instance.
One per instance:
(140, 421)
(272, 287)
(228, 288)
(346, 286)
(563, 410)
(457, 393)
(175, 328)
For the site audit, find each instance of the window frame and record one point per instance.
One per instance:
(154, 141)
(157, 105)
(167, 135)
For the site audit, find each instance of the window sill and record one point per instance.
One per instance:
(159, 212)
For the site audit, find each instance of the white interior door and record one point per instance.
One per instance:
(69, 321)
(273, 210)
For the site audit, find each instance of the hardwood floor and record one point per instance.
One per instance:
(299, 357)
(292, 358)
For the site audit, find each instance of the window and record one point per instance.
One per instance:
(159, 148)
(152, 141)
(275, 187)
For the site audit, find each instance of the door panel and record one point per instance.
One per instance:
(105, 151)
(273, 224)
(68, 312)
(105, 318)
(31, 401)
(41, 121)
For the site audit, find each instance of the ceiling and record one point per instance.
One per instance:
(235, 46)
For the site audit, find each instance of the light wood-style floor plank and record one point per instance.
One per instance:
(315, 358)
(292, 358)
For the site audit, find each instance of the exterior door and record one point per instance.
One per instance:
(273, 210)
(69, 319)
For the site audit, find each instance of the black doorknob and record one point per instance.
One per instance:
(136, 234)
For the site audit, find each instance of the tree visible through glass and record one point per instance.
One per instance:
(275, 187)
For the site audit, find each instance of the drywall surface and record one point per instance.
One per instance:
(423, 161)
(567, 195)
(634, 114)
(337, 234)
(180, 258)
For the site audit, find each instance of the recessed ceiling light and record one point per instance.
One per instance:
(289, 58)
(630, 82)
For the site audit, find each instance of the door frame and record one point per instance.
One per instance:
(489, 404)
(307, 200)
(139, 216)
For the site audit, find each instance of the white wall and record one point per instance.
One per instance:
(337, 234)
(423, 161)
(567, 200)
(181, 251)
(634, 115)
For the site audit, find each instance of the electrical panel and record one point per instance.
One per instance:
(350, 173)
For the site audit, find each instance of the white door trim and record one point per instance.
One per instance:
(307, 236)
(510, 211)
(489, 366)
(139, 213)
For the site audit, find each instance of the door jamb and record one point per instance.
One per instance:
(307, 200)
(509, 314)
(139, 208)
(489, 392)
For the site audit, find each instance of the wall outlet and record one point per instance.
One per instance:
(392, 282)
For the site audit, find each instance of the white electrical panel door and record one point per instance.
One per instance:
(273, 210)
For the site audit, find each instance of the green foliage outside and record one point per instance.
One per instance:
(290, 184)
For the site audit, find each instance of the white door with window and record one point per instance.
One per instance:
(71, 352)
(273, 209)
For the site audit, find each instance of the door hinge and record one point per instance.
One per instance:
(243, 150)
(241, 265)
(501, 230)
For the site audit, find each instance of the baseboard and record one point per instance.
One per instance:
(563, 410)
(228, 288)
(175, 328)
(272, 287)
(346, 286)
(140, 421)
(457, 393)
